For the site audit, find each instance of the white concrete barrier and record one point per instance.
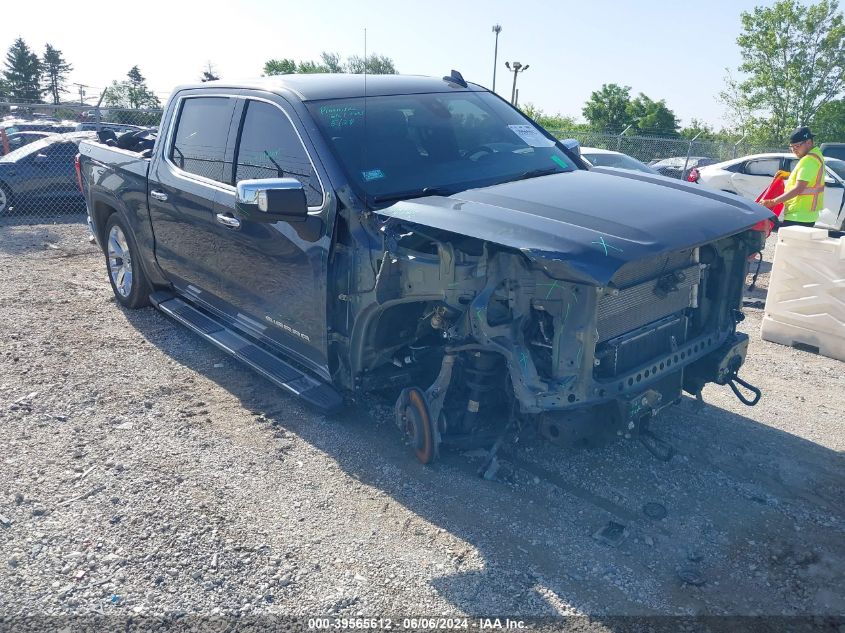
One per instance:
(805, 305)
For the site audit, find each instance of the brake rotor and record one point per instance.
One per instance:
(414, 420)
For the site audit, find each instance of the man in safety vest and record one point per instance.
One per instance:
(803, 196)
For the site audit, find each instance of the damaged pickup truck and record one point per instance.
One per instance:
(343, 234)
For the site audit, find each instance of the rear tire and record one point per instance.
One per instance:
(123, 264)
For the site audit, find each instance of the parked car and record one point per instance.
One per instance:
(13, 125)
(833, 150)
(674, 167)
(426, 236)
(42, 174)
(16, 140)
(608, 158)
(117, 128)
(750, 175)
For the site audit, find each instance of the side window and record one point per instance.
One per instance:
(61, 150)
(270, 148)
(200, 142)
(791, 163)
(762, 167)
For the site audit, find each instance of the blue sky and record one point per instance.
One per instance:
(677, 51)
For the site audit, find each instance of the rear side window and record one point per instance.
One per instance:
(270, 148)
(200, 142)
(762, 167)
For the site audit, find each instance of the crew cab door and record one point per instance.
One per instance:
(186, 179)
(273, 275)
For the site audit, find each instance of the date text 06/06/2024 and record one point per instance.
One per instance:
(441, 623)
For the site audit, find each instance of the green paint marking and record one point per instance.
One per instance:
(554, 285)
(523, 359)
(578, 357)
(478, 313)
(566, 316)
(605, 246)
(560, 162)
(455, 283)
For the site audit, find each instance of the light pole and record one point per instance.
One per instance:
(516, 68)
(496, 29)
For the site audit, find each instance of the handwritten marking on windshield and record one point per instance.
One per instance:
(606, 246)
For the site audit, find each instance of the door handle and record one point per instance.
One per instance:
(158, 195)
(228, 220)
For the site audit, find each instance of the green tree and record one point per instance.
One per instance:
(374, 65)
(829, 122)
(4, 94)
(138, 94)
(209, 73)
(279, 67)
(309, 67)
(793, 63)
(652, 117)
(607, 108)
(700, 129)
(331, 61)
(23, 73)
(54, 72)
(552, 122)
(132, 94)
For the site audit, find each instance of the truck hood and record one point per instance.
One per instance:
(585, 225)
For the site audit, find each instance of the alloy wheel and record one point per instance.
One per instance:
(120, 261)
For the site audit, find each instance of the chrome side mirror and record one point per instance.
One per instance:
(272, 200)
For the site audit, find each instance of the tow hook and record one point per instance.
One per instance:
(730, 377)
(638, 412)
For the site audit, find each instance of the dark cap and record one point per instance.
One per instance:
(801, 134)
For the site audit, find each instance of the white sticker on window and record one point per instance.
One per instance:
(372, 174)
(531, 135)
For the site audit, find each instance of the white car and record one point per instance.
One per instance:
(751, 175)
(608, 158)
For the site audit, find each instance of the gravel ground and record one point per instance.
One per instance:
(145, 473)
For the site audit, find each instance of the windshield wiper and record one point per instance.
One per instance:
(413, 193)
(534, 173)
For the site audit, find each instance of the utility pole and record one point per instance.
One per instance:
(81, 91)
(496, 29)
(516, 68)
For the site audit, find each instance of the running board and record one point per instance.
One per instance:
(317, 394)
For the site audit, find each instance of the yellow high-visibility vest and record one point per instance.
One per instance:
(806, 207)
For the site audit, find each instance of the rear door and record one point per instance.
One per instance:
(185, 182)
(273, 276)
(755, 176)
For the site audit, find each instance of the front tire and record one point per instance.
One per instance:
(123, 263)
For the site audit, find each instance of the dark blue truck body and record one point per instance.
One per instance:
(554, 275)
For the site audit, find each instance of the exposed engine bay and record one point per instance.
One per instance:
(480, 336)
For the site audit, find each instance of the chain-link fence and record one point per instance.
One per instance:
(38, 144)
(654, 148)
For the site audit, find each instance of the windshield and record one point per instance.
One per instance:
(620, 161)
(412, 145)
(33, 147)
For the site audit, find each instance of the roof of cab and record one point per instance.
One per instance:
(311, 87)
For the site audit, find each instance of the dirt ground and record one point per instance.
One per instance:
(144, 472)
